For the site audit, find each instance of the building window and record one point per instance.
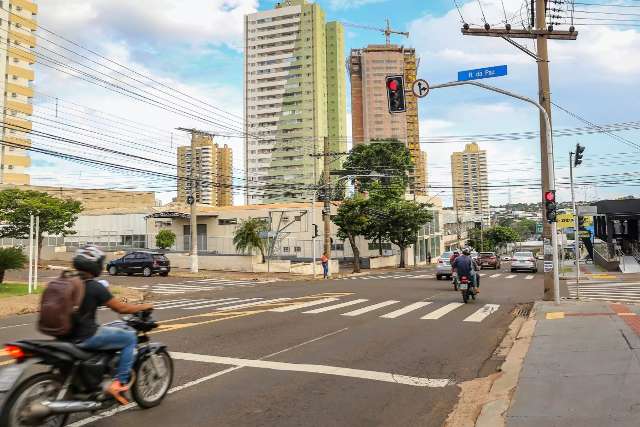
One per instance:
(228, 221)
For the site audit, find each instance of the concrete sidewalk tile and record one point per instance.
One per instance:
(555, 363)
(588, 396)
(582, 340)
(578, 421)
(576, 325)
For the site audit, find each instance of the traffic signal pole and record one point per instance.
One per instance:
(549, 173)
(576, 231)
(327, 200)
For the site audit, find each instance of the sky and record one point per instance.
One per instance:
(198, 51)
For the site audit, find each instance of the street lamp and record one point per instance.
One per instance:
(327, 217)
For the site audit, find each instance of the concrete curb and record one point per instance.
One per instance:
(497, 403)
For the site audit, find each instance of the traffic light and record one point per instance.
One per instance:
(580, 222)
(578, 158)
(550, 205)
(395, 94)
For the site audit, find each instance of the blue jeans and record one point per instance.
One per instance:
(110, 338)
(325, 269)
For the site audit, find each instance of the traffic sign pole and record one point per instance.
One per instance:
(576, 227)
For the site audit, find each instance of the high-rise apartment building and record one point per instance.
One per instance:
(213, 167)
(294, 88)
(18, 23)
(469, 181)
(370, 117)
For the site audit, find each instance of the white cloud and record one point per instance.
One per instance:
(352, 4)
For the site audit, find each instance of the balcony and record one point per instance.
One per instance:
(19, 106)
(27, 5)
(22, 37)
(24, 22)
(19, 89)
(23, 161)
(22, 54)
(21, 72)
(19, 124)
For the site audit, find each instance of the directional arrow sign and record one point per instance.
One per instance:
(482, 73)
(420, 88)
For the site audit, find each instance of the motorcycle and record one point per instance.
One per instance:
(53, 379)
(467, 289)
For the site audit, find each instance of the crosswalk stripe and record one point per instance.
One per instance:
(192, 303)
(529, 277)
(622, 294)
(216, 304)
(169, 292)
(495, 275)
(612, 298)
(482, 274)
(370, 308)
(297, 306)
(251, 304)
(436, 314)
(511, 276)
(336, 306)
(406, 309)
(418, 276)
(606, 291)
(482, 313)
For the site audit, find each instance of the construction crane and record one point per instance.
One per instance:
(387, 31)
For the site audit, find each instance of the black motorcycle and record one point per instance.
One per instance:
(467, 289)
(52, 379)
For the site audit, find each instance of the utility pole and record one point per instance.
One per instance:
(541, 33)
(576, 219)
(327, 200)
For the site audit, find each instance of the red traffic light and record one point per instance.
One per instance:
(393, 84)
(550, 196)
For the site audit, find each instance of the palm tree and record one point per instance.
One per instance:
(246, 237)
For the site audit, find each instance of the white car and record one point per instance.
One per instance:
(524, 261)
(443, 267)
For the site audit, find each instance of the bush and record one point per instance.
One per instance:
(11, 259)
(165, 239)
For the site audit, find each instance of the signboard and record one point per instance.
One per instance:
(539, 228)
(566, 221)
(420, 88)
(548, 266)
(584, 233)
(267, 234)
(587, 210)
(482, 73)
(548, 249)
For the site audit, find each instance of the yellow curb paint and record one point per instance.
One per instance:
(555, 315)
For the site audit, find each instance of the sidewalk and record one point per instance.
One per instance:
(582, 368)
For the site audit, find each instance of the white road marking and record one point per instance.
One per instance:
(369, 308)
(419, 276)
(195, 302)
(529, 277)
(242, 301)
(335, 307)
(511, 276)
(482, 313)
(436, 314)
(405, 310)
(297, 306)
(495, 275)
(15, 326)
(317, 369)
(251, 304)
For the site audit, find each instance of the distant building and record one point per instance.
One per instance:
(213, 167)
(18, 22)
(469, 181)
(294, 86)
(370, 117)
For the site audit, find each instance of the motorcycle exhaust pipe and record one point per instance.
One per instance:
(44, 409)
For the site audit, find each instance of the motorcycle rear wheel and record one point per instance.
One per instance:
(465, 296)
(38, 388)
(151, 386)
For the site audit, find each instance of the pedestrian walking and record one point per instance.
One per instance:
(428, 257)
(325, 265)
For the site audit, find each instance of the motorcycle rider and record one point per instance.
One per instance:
(87, 334)
(464, 265)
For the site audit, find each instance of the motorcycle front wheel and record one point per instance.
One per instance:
(153, 379)
(37, 389)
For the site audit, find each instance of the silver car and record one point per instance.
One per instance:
(443, 267)
(524, 261)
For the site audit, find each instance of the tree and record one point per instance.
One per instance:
(525, 228)
(385, 157)
(494, 238)
(246, 238)
(11, 259)
(165, 239)
(352, 220)
(57, 216)
(380, 198)
(403, 219)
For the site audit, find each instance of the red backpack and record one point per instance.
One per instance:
(59, 304)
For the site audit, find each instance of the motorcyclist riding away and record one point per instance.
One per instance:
(464, 265)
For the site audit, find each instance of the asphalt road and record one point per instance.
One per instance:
(239, 364)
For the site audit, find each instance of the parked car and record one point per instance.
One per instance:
(524, 261)
(140, 262)
(443, 267)
(489, 259)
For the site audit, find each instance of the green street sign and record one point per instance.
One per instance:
(539, 228)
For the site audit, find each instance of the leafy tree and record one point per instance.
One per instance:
(57, 216)
(403, 219)
(525, 228)
(380, 198)
(165, 239)
(493, 238)
(246, 238)
(385, 157)
(352, 220)
(11, 259)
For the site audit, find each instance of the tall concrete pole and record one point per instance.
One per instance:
(576, 227)
(327, 200)
(544, 96)
(194, 213)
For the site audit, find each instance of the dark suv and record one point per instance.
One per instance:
(146, 263)
(489, 259)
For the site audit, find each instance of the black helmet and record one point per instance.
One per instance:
(89, 259)
(456, 252)
(466, 251)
